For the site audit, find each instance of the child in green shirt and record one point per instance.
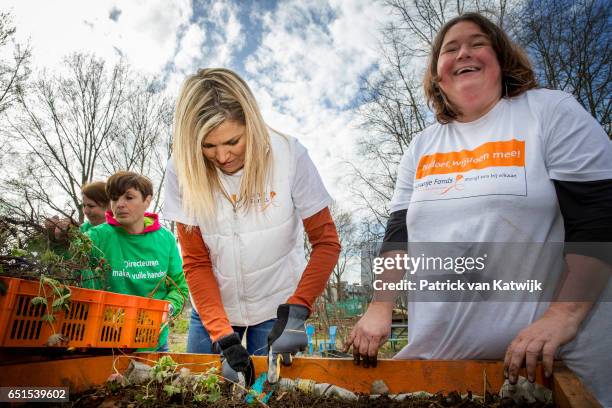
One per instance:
(143, 256)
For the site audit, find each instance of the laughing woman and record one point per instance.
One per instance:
(243, 195)
(483, 92)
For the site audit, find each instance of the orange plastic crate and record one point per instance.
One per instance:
(96, 318)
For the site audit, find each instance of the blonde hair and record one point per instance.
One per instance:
(207, 99)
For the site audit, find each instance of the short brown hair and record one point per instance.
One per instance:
(96, 191)
(517, 73)
(121, 181)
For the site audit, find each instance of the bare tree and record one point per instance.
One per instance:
(570, 45)
(393, 111)
(160, 159)
(347, 233)
(64, 122)
(144, 141)
(14, 70)
(84, 124)
(393, 108)
(20, 207)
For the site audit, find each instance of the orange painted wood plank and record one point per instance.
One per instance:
(84, 373)
(569, 392)
(79, 374)
(399, 375)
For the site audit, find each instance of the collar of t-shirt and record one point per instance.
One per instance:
(483, 120)
(231, 182)
(151, 221)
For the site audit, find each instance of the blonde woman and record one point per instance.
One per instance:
(242, 196)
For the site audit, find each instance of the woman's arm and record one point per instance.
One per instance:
(587, 216)
(373, 329)
(202, 282)
(323, 237)
(577, 155)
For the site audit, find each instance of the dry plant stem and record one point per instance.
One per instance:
(484, 388)
(148, 360)
(150, 295)
(127, 356)
(246, 390)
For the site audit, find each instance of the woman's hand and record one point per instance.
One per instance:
(58, 228)
(584, 279)
(370, 332)
(556, 327)
(235, 359)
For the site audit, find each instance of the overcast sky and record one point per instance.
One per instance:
(302, 59)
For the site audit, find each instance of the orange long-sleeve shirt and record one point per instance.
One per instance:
(204, 289)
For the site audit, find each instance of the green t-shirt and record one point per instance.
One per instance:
(140, 263)
(85, 226)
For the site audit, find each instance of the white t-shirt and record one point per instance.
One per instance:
(307, 190)
(491, 180)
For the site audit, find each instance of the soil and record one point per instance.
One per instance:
(126, 398)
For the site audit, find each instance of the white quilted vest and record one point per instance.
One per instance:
(258, 257)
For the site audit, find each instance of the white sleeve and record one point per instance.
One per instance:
(576, 146)
(173, 210)
(404, 182)
(307, 190)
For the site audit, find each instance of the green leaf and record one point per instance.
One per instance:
(18, 252)
(171, 389)
(49, 318)
(38, 300)
(214, 396)
(50, 258)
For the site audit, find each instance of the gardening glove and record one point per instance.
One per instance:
(287, 337)
(236, 364)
